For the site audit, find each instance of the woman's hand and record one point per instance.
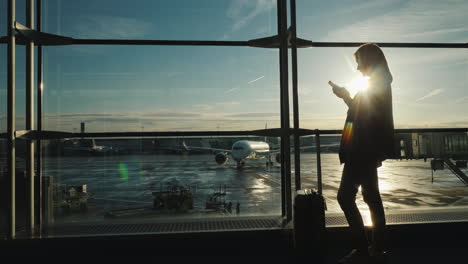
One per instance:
(339, 91)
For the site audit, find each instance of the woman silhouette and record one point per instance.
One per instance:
(366, 141)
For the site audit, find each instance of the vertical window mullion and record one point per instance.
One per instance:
(39, 90)
(11, 125)
(29, 159)
(285, 141)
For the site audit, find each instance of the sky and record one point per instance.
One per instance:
(178, 88)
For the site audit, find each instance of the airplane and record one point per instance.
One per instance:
(86, 146)
(245, 149)
(242, 150)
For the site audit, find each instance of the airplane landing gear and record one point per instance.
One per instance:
(240, 164)
(269, 162)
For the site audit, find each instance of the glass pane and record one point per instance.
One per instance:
(22, 186)
(429, 91)
(115, 89)
(3, 180)
(20, 84)
(407, 185)
(3, 121)
(3, 18)
(3, 88)
(383, 21)
(172, 20)
(20, 80)
(20, 14)
(429, 86)
(136, 180)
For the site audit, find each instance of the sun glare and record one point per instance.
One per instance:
(358, 84)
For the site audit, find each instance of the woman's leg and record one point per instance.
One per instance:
(371, 195)
(347, 200)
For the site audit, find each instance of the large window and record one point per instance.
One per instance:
(160, 88)
(144, 109)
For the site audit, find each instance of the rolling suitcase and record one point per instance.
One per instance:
(309, 221)
(309, 218)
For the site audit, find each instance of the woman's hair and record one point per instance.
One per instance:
(371, 56)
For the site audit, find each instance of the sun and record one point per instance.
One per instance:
(358, 84)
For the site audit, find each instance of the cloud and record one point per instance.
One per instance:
(268, 100)
(436, 33)
(242, 12)
(207, 107)
(458, 123)
(227, 103)
(204, 107)
(461, 100)
(237, 11)
(242, 115)
(93, 76)
(416, 20)
(259, 78)
(232, 90)
(438, 58)
(171, 114)
(113, 120)
(432, 93)
(80, 114)
(109, 27)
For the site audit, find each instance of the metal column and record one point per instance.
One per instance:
(11, 121)
(39, 87)
(285, 142)
(29, 71)
(297, 155)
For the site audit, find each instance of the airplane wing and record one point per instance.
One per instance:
(273, 151)
(215, 150)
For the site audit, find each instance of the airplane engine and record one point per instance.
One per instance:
(278, 158)
(221, 158)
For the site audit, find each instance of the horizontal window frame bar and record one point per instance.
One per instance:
(26, 35)
(272, 132)
(41, 135)
(160, 42)
(308, 132)
(307, 44)
(304, 44)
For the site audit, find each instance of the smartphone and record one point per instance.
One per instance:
(335, 87)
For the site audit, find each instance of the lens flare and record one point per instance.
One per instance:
(358, 84)
(348, 132)
(123, 171)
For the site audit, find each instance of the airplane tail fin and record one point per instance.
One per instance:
(184, 146)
